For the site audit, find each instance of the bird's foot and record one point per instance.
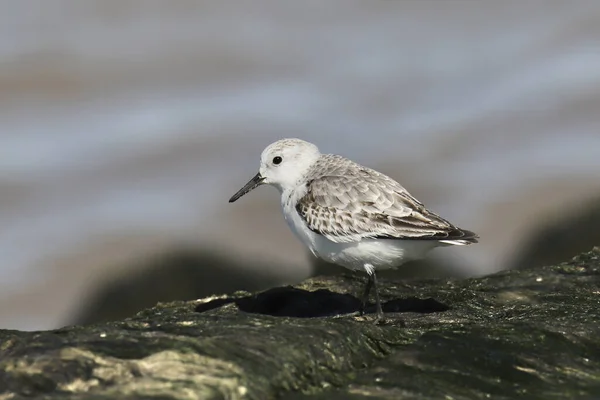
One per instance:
(361, 310)
(380, 319)
(375, 319)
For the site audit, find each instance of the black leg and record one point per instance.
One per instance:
(377, 302)
(365, 298)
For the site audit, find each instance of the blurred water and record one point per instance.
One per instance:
(126, 126)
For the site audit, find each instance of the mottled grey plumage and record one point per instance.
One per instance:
(347, 202)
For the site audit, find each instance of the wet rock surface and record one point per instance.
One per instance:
(527, 333)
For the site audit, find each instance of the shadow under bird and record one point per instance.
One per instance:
(348, 214)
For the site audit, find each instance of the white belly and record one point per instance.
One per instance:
(376, 253)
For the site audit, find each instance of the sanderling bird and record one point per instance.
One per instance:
(348, 214)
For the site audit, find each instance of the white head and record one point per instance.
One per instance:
(283, 164)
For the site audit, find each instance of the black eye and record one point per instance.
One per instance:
(277, 160)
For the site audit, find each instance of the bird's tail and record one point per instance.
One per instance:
(467, 237)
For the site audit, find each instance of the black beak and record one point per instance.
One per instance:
(254, 183)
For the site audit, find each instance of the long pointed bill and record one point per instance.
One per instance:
(254, 183)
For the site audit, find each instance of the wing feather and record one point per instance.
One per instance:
(350, 202)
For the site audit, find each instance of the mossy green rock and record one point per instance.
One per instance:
(529, 333)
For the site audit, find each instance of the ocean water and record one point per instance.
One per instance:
(126, 126)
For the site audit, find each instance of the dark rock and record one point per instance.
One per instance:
(299, 303)
(528, 333)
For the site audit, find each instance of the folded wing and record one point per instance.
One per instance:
(368, 204)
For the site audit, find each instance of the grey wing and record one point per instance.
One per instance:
(348, 208)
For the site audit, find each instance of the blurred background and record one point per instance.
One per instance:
(125, 126)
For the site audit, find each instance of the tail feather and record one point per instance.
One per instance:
(467, 237)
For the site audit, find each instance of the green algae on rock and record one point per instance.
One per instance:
(529, 333)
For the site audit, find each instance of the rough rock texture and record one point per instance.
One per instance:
(529, 333)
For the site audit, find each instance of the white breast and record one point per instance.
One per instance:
(289, 199)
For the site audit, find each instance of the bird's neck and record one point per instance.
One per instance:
(291, 195)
